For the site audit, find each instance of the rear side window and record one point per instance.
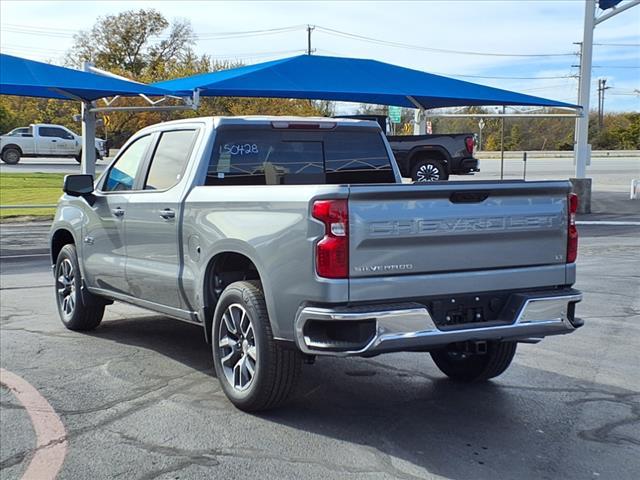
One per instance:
(122, 175)
(53, 132)
(169, 159)
(266, 156)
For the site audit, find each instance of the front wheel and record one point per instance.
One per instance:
(429, 170)
(255, 372)
(11, 156)
(462, 366)
(78, 310)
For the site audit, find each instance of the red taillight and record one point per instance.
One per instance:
(572, 232)
(332, 252)
(469, 144)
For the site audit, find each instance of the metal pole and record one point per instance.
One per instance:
(600, 104)
(420, 122)
(604, 88)
(524, 160)
(309, 30)
(88, 162)
(502, 144)
(582, 150)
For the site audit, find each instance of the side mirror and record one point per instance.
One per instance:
(78, 185)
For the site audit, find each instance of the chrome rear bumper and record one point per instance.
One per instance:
(410, 326)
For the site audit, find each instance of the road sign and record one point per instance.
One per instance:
(395, 114)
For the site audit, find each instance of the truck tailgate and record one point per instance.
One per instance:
(455, 227)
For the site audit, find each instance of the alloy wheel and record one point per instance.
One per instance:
(428, 173)
(66, 288)
(237, 347)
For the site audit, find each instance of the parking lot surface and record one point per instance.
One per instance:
(139, 400)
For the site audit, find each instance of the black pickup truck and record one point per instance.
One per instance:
(429, 158)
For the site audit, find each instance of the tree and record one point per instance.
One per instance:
(138, 43)
(515, 138)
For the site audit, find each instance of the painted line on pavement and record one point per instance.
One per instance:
(51, 436)
(608, 223)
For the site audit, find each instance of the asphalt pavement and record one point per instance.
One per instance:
(139, 399)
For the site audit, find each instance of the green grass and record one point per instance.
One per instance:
(29, 189)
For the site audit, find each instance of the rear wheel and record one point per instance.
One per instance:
(255, 372)
(78, 157)
(78, 310)
(463, 366)
(429, 170)
(11, 156)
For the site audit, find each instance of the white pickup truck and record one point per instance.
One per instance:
(44, 140)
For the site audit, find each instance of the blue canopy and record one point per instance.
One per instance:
(28, 78)
(348, 79)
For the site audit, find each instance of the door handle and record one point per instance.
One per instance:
(117, 212)
(167, 214)
(54, 141)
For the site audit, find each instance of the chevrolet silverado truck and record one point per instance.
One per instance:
(430, 157)
(288, 238)
(44, 140)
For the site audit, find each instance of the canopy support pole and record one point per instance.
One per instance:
(88, 160)
(419, 117)
(502, 144)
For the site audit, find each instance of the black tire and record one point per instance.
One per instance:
(78, 157)
(467, 367)
(276, 368)
(11, 155)
(80, 310)
(429, 170)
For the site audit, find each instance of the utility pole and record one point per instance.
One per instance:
(600, 104)
(310, 29)
(602, 86)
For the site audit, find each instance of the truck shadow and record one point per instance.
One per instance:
(398, 416)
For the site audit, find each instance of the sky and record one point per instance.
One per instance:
(479, 29)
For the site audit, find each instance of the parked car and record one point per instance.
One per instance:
(432, 157)
(287, 238)
(44, 140)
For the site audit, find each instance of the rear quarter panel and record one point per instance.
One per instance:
(270, 225)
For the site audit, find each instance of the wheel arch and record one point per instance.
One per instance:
(12, 145)
(224, 268)
(431, 153)
(59, 238)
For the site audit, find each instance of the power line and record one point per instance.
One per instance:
(615, 66)
(618, 44)
(488, 77)
(331, 31)
(503, 78)
(67, 33)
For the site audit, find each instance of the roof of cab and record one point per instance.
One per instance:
(266, 119)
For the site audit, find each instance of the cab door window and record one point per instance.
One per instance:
(170, 158)
(122, 174)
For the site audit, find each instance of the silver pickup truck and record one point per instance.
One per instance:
(288, 238)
